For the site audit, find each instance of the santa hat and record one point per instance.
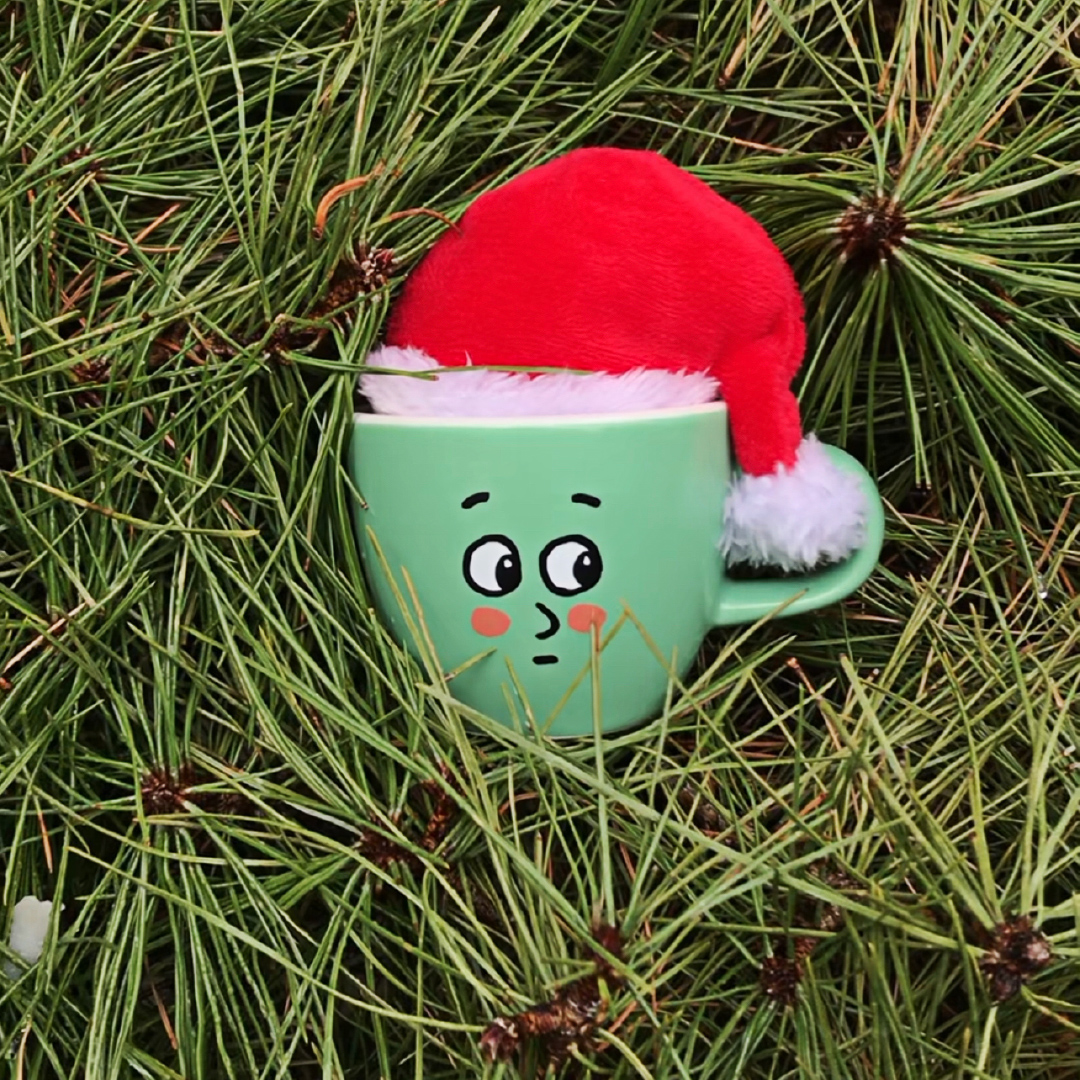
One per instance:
(620, 264)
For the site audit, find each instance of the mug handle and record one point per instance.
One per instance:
(748, 601)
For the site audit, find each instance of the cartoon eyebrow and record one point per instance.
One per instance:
(472, 500)
(588, 500)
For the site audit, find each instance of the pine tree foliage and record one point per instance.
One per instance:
(846, 849)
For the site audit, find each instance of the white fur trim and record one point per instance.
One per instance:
(467, 391)
(795, 518)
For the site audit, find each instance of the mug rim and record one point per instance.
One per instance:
(539, 421)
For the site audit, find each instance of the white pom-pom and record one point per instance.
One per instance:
(795, 518)
(29, 925)
(480, 392)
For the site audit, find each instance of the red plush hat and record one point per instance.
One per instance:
(619, 263)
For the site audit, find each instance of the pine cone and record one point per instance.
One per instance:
(780, 978)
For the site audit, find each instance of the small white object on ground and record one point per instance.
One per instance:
(29, 925)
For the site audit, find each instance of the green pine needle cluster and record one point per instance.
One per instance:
(846, 849)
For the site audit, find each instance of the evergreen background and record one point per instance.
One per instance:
(282, 850)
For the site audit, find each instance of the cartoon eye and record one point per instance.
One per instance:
(570, 565)
(492, 565)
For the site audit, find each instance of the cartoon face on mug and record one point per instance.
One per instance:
(561, 573)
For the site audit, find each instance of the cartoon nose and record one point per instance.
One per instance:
(553, 623)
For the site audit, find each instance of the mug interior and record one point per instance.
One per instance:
(613, 419)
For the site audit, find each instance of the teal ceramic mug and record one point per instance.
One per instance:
(528, 538)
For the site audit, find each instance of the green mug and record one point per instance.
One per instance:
(527, 539)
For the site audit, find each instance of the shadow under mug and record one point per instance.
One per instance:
(529, 537)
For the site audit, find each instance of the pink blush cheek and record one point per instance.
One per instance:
(490, 622)
(583, 617)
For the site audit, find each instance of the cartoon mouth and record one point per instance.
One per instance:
(547, 659)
